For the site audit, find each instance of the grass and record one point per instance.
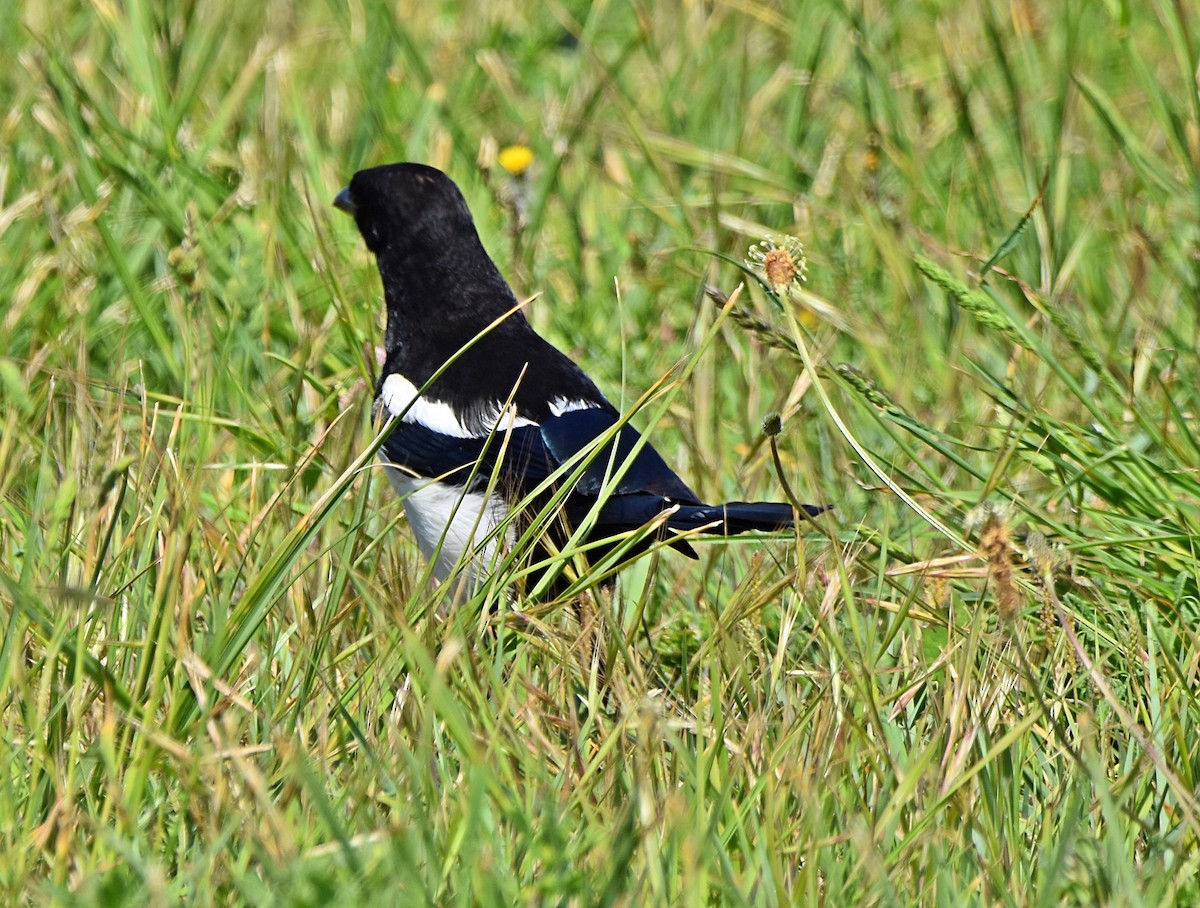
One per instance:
(222, 677)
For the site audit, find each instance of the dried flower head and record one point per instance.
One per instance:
(996, 548)
(781, 263)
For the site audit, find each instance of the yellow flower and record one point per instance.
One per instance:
(515, 158)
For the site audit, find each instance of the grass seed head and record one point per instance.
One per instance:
(996, 548)
(781, 262)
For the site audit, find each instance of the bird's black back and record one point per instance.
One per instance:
(442, 289)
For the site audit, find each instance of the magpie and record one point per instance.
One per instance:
(486, 410)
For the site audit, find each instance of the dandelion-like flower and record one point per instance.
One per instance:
(515, 159)
(781, 263)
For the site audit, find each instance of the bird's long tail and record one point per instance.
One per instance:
(622, 513)
(738, 517)
(630, 511)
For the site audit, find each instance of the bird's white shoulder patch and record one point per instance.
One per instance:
(561, 405)
(401, 396)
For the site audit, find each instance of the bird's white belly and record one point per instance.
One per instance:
(449, 522)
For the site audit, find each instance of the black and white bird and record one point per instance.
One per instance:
(510, 409)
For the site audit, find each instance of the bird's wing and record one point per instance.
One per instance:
(523, 453)
(570, 432)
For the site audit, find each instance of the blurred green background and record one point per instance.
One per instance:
(222, 676)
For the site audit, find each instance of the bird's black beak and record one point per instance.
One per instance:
(343, 202)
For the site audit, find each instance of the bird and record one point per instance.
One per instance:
(484, 410)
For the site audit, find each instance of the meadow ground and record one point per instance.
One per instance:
(222, 677)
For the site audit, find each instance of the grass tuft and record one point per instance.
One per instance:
(223, 675)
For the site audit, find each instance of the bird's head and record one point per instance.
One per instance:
(406, 208)
(435, 271)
